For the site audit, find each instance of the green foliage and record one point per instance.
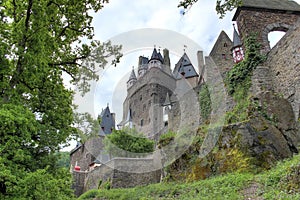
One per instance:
(205, 102)
(222, 6)
(63, 159)
(240, 73)
(40, 43)
(86, 126)
(223, 187)
(127, 142)
(166, 138)
(277, 183)
(241, 110)
(238, 81)
(41, 184)
(282, 182)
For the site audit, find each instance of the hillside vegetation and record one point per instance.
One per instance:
(281, 182)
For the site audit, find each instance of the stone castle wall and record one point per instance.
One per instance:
(86, 153)
(284, 64)
(262, 22)
(120, 173)
(221, 53)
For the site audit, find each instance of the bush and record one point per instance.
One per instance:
(127, 143)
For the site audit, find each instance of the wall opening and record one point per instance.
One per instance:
(274, 37)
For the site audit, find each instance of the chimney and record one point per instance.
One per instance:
(140, 61)
(166, 57)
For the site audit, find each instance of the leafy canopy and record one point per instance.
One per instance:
(40, 43)
(222, 6)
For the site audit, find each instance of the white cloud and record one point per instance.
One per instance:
(201, 24)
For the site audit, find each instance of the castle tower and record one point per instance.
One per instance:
(264, 16)
(142, 66)
(132, 79)
(156, 59)
(221, 53)
(237, 49)
(107, 121)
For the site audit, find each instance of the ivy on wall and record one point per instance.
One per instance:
(205, 102)
(240, 74)
(238, 80)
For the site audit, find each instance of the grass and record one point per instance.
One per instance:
(274, 185)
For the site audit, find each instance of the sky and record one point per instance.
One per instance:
(200, 25)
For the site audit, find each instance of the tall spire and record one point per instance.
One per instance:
(236, 38)
(132, 75)
(132, 79)
(156, 55)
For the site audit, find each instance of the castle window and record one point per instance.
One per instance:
(225, 44)
(141, 98)
(224, 56)
(142, 122)
(166, 123)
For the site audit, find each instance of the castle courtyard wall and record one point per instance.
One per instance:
(284, 64)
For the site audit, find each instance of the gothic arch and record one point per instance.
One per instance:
(273, 27)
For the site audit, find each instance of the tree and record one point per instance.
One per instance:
(40, 41)
(222, 6)
(127, 142)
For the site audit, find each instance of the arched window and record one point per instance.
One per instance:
(274, 37)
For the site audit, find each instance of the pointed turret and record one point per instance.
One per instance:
(156, 59)
(156, 55)
(132, 79)
(107, 121)
(236, 38)
(237, 49)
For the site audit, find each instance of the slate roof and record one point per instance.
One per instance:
(282, 5)
(156, 56)
(107, 121)
(185, 68)
(236, 38)
(132, 76)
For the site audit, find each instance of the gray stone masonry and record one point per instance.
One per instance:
(284, 65)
